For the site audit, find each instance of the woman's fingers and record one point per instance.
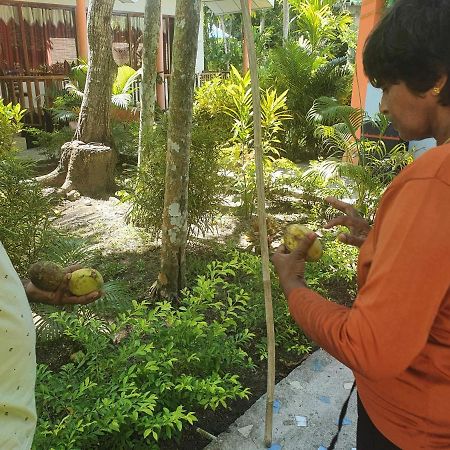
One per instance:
(346, 221)
(350, 239)
(346, 208)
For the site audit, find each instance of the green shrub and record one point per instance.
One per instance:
(126, 139)
(26, 213)
(145, 190)
(239, 153)
(137, 379)
(10, 124)
(50, 143)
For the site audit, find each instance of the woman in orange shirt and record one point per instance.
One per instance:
(396, 336)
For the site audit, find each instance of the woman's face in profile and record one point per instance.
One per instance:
(411, 114)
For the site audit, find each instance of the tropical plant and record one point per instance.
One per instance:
(10, 124)
(321, 27)
(207, 185)
(26, 214)
(306, 77)
(238, 151)
(361, 168)
(49, 143)
(122, 90)
(136, 379)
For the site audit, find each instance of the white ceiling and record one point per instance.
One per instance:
(234, 6)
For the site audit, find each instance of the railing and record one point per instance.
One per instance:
(33, 92)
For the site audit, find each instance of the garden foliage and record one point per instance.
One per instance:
(10, 124)
(25, 213)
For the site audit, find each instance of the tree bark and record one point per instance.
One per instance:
(286, 20)
(172, 277)
(94, 120)
(86, 168)
(152, 25)
(262, 23)
(224, 32)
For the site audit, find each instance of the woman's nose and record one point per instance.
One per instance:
(383, 106)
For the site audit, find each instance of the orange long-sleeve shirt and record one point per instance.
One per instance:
(396, 337)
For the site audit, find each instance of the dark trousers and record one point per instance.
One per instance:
(368, 437)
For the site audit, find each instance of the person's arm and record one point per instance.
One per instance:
(392, 316)
(62, 296)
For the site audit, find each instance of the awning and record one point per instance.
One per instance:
(219, 7)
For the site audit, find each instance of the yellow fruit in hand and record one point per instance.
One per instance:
(85, 281)
(295, 232)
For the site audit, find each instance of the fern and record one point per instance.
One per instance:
(67, 250)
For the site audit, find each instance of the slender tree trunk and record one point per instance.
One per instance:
(262, 23)
(224, 32)
(152, 26)
(94, 123)
(286, 20)
(172, 277)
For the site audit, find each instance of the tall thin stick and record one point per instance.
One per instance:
(262, 221)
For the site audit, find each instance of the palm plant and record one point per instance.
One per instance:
(320, 27)
(359, 168)
(306, 76)
(68, 107)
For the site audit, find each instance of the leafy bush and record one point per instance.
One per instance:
(26, 213)
(50, 143)
(137, 378)
(145, 190)
(126, 139)
(360, 168)
(10, 124)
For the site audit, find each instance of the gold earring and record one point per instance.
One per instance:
(436, 91)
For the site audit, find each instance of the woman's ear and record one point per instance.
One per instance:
(439, 85)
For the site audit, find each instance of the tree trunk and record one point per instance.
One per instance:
(152, 25)
(86, 168)
(224, 32)
(262, 23)
(94, 120)
(286, 20)
(172, 277)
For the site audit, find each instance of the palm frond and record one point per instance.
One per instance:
(67, 250)
(124, 73)
(122, 100)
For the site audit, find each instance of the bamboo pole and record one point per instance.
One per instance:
(262, 222)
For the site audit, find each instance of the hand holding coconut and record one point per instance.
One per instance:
(51, 284)
(300, 245)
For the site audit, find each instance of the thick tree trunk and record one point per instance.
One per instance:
(174, 228)
(286, 20)
(152, 25)
(94, 120)
(86, 168)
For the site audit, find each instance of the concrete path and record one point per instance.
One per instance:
(313, 393)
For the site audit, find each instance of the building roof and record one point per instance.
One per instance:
(219, 7)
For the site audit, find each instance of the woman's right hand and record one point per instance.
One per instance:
(359, 228)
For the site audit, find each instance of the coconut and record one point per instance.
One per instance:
(46, 275)
(294, 233)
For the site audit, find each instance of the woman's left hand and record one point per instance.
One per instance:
(291, 266)
(62, 296)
